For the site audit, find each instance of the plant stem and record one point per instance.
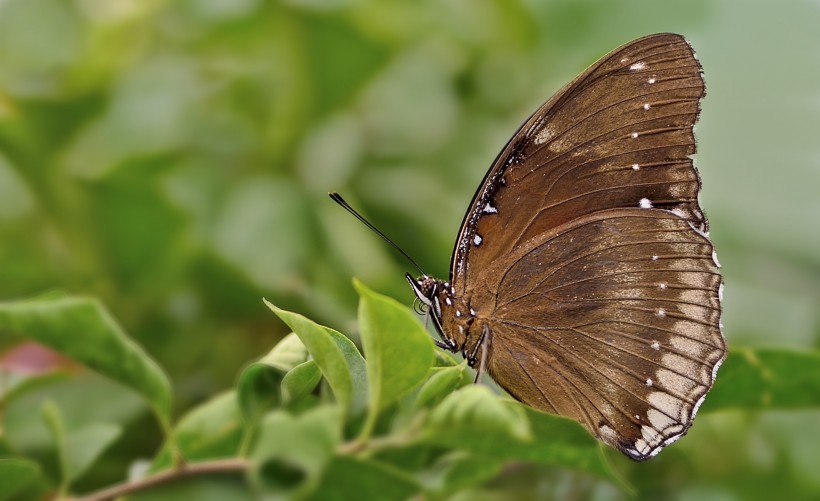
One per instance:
(358, 446)
(232, 465)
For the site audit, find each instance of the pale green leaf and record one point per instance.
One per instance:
(466, 424)
(259, 386)
(300, 381)
(474, 410)
(443, 381)
(398, 351)
(211, 430)
(338, 359)
(82, 329)
(292, 451)
(84, 446)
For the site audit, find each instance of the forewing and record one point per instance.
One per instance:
(614, 320)
(618, 136)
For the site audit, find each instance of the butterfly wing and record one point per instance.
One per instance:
(621, 132)
(611, 319)
(588, 254)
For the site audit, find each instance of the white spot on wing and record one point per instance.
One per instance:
(636, 167)
(489, 209)
(654, 258)
(477, 240)
(640, 65)
(652, 80)
(660, 312)
(646, 106)
(678, 212)
(649, 434)
(662, 286)
(608, 434)
(634, 135)
(656, 345)
(544, 135)
(659, 420)
(665, 403)
(645, 203)
(648, 382)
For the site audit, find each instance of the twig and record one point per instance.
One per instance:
(232, 465)
(407, 436)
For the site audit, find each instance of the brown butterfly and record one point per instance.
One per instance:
(583, 278)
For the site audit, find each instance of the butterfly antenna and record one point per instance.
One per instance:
(341, 201)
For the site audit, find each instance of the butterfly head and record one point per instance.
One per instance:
(437, 297)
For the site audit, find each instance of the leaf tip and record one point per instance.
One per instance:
(360, 287)
(270, 305)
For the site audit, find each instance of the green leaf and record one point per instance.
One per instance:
(398, 350)
(259, 386)
(291, 452)
(84, 399)
(445, 359)
(354, 478)
(301, 381)
(443, 382)
(52, 417)
(77, 450)
(461, 470)
(210, 431)
(475, 420)
(20, 385)
(15, 475)
(766, 379)
(81, 328)
(557, 441)
(476, 411)
(338, 359)
(84, 446)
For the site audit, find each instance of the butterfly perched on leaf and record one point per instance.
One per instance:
(583, 279)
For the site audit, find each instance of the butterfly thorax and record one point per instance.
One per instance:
(454, 318)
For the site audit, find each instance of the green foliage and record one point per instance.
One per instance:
(336, 356)
(172, 159)
(78, 450)
(399, 351)
(293, 451)
(15, 474)
(82, 329)
(424, 430)
(211, 430)
(766, 379)
(260, 385)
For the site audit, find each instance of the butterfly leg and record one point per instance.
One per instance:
(441, 345)
(483, 345)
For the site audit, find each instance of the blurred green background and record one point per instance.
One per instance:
(174, 159)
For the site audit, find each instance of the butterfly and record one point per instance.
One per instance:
(583, 279)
